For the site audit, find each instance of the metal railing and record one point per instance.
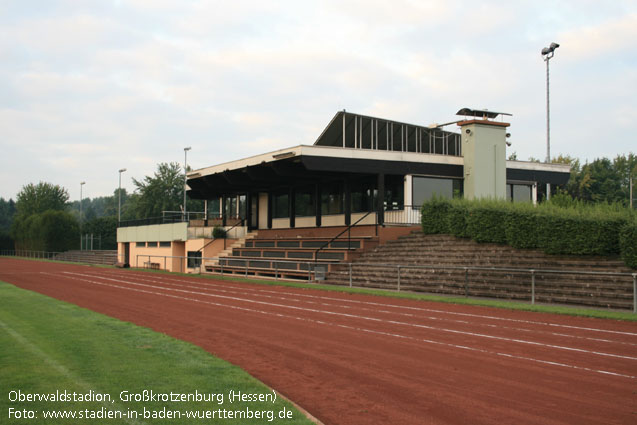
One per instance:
(349, 233)
(316, 271)
(305, 270)
(533, 274)
(45, 255)
(406, 214)
(86, 256)
(227, 231)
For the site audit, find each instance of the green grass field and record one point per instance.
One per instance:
(48, 346)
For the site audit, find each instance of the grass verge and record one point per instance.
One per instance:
(49, 346)
(508, 305)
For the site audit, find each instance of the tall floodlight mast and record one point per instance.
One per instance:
(547, 54)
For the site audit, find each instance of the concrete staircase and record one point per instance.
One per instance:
(299, 258)
(440, 259)
(107, 257)
(228, 251)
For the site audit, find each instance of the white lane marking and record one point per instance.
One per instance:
(322, 322)
(355, 316)
(237, 290)
(444, 311)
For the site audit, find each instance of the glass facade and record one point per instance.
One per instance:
(394, 192)
(424, 188)
(280, 205)
(332, 199)
(519, 192)
(304, 202)
(363, 196)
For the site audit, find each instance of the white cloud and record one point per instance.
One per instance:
(88, 88)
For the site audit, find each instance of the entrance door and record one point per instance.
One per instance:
(127, 253)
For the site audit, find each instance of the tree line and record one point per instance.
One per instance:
(42, 218)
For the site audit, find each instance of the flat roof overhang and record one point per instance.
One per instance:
(301, 165)
(311, 164)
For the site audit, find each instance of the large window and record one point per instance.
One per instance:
(231, 207)
(424, 188)
(363, 196)
(280, 205)
(332, 199)
(194, 259)
(213, 208)
(519, 192)
(304, 202)
(394, 192)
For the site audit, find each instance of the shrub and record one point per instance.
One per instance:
(434, 213)
(485, 222)
(456, 219)
(521, 227)
(219, 232)
(566, 227)
(579, 231)
(628, 244)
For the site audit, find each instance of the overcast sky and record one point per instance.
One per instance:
(89, 87)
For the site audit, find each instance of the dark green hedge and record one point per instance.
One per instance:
(521, 227)
(456, 219)
(628, 244)
(485, 222)
(434, 215)
(576, 230)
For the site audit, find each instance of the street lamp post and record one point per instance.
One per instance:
(547, 54)
(81, 184)
(185, 179)
(119, 192)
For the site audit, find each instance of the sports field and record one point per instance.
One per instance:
(357, 359)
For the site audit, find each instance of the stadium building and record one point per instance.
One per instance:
(363, 174)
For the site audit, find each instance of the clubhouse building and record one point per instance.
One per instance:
(362, 172)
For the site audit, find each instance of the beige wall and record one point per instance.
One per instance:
(263, 210)
(139, 256)
(333, 220)
(305, 221)
(154, 232)
(280, 223)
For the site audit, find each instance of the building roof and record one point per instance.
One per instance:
(413, 150)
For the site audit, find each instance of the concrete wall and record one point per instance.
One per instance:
(484, 153)
(153, 232)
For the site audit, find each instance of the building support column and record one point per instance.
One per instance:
(224, 210)
(348, 201)
(292, 206)
(248, 222)
(269, 210)
(317, 203)
(380, 207)
(408, 194)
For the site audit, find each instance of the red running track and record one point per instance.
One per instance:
(354, 359)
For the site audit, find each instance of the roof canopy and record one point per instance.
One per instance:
(480, 113)
(348, 130)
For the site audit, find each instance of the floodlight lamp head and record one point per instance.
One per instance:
(546, 51)
(187, 149)
(554, 46)
(122, 170)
